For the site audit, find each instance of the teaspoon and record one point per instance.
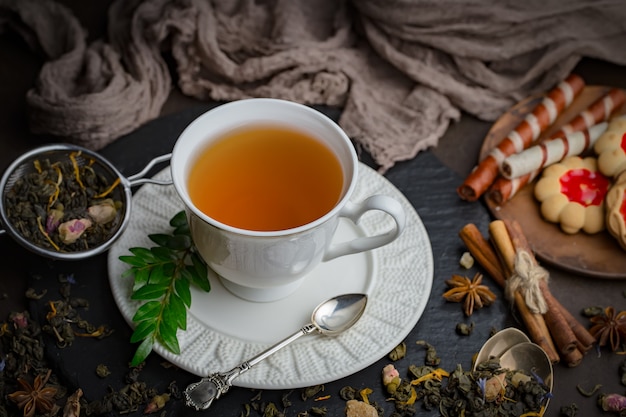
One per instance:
(329, 318)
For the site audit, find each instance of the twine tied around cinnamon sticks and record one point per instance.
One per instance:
(511, 259)
(526, 278)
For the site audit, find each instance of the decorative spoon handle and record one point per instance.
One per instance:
(200, 395)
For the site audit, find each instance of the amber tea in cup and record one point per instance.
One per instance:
(266, 178)
(265, 184)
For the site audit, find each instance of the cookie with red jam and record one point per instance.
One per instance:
(572, 194)
(616, 209)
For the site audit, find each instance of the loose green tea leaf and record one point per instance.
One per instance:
(67, 202)
(163, 275)
(398, 352)
(588, 393)
(568, 410)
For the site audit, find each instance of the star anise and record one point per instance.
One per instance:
(34, 398)
(609, 327)
(472, 292)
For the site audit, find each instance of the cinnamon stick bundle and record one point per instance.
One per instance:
(535, 322)
(486, 256)
(557, 331)
(568, 332)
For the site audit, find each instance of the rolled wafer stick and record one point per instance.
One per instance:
(599, 111)
(521, 137)
(504, 189)
(534, 322)
(551, 151)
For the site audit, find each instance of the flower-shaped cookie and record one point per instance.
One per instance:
(572, 194)
(611, 148)
(616, 209)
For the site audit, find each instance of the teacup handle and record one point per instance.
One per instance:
(354, 211)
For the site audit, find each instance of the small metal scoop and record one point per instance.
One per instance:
(515, 351)
(330, 318)
(60, 152)
(529, 357)
(499, 343)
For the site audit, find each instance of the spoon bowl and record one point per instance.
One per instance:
(330, 318)
(516, 352)
(499, 343)
(335, 316)
(531, 358)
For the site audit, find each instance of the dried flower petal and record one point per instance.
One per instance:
(391, 378)
(156, 403)
(53, 220)
(103, 212)
(612, 402)
(71, 230)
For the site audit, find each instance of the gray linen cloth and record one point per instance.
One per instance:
(402, 70)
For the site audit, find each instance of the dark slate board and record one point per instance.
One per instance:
(428, 185)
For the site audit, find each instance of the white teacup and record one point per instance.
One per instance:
(270, 265)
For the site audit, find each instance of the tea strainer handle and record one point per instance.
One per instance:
(140, 177)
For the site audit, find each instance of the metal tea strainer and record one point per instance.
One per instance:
(26, 164)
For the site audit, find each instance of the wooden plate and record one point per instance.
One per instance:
(597, 255)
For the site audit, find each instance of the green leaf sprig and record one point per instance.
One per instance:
(163, 276)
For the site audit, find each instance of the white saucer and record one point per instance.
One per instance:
(224, 330)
